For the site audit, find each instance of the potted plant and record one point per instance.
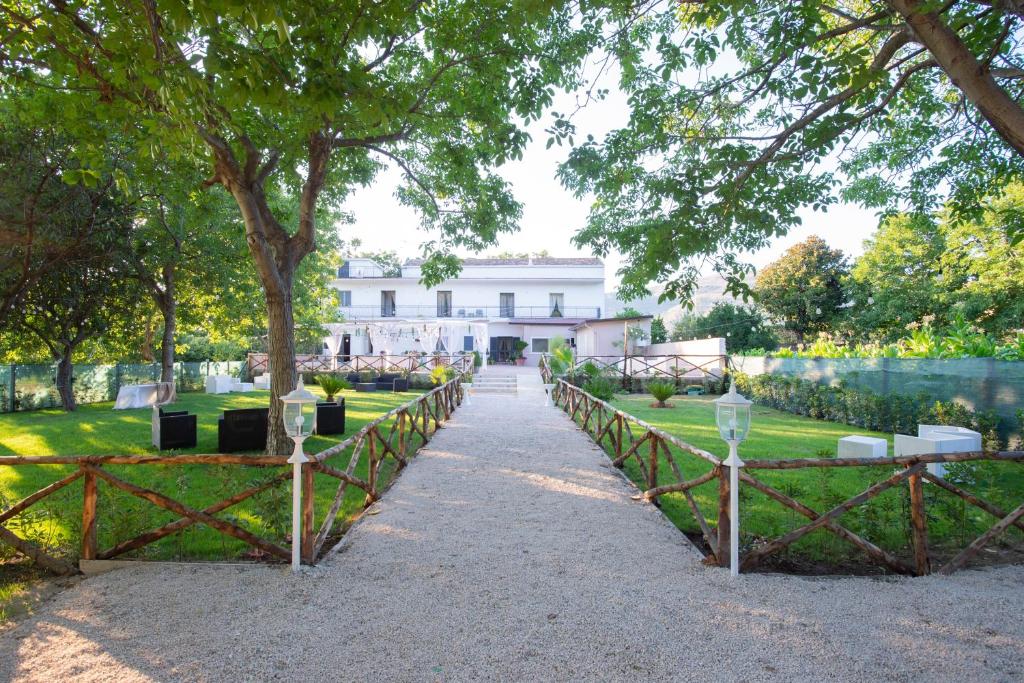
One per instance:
(332, 385)
(517, 352)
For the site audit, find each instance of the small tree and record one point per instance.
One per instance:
(662, 391)
(80, 302)
(803, 288)
(659, 334)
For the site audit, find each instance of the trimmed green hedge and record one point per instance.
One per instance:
(892, 413)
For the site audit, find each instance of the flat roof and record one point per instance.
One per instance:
(611, 320)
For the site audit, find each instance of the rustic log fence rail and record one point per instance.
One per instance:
(461, 363)
(679, 368)
(412, 424)
(612, 429)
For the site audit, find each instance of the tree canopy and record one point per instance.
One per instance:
(803, 288)
(742, 113)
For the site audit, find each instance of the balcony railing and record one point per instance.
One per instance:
(467, 312)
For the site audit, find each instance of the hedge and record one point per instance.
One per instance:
(892, 413)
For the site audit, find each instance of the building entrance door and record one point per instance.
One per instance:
(501, 349)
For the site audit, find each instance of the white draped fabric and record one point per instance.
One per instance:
(429, 334)
(380, 338)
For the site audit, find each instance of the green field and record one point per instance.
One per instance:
(55, 522)
(884, 520)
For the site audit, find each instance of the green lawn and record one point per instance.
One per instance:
(97, 429)
(774, 434)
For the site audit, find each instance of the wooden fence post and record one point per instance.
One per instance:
(308, 499)
(618, 438)
(89, 495)
(652, 469)
(918, 525)
(723, 517)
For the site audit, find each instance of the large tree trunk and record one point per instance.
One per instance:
(64, 370)
(169, 309)
(972, 77)
(147, 341)
(281, 355)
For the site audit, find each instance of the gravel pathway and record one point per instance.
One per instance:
(510, 550)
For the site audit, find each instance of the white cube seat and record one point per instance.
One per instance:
(261, 382)
(242, 386)
(218, 384)
(936, 442)
(857, 446)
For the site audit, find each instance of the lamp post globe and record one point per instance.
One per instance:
(732, 414)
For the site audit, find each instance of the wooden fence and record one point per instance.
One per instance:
(461, 363)
(624, 436)
(676, 367)
(411, 425)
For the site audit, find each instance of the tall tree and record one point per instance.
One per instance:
(51, 208)
(741, 113)
(919, 265)
(318, 96)
(803, 288)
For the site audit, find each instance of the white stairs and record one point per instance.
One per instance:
(495, 384)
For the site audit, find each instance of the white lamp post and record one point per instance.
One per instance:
(299, 407)
(732, 413)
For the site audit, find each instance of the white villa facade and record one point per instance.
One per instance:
(490, 305)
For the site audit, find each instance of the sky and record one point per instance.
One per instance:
(552, 215)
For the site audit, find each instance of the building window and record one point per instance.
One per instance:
(538, 345)
(387, 304)
(507, 303)
(444, 304)
(345, 297)
(467, 343)
(556, 302)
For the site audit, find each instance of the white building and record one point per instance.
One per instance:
(490, 305)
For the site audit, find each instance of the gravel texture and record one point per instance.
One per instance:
(510, 550)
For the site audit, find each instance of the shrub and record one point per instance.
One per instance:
(662, 391)
(441, 374)
(893, 413)
(600, 387)
(332, 385)
(477, 359)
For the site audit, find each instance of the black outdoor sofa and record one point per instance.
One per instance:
(243, 430)
(384, 382)
(176, 429)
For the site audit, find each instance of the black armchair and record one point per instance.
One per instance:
(330, 417)
(174, 429)
(401, 384)
(386, 381)
(243, 430)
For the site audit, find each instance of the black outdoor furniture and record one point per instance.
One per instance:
(175, 429)
(391, 382)
(243, 430)
(330, 417)
(365, 386)
(352, 378)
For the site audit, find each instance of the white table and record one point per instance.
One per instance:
(144, 395)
